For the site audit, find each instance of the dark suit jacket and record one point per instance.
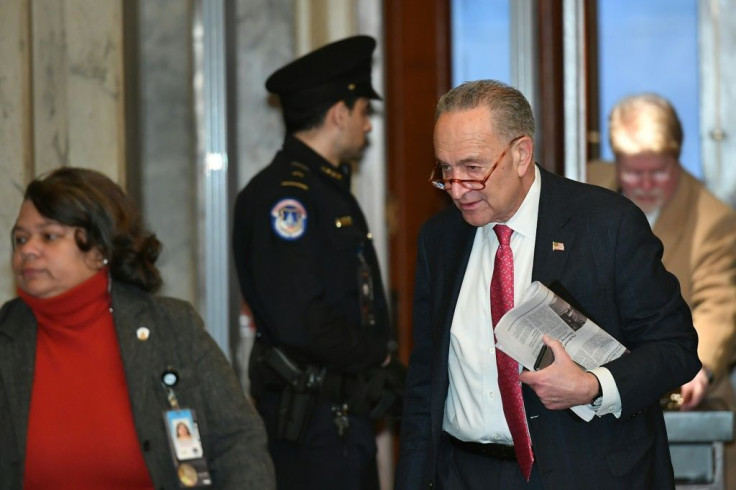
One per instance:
(611, 265)
(233, 436)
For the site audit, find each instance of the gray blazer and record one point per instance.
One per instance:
(233, 437)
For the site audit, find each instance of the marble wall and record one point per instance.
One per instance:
(167, 139)
(78, 99)
(717, 38)
(15, 120)
(61, 97)
(264, 41)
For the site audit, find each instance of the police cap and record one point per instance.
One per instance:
(331, 73)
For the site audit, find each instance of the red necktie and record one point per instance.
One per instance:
(502, 300)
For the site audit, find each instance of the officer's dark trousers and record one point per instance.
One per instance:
(324, 460)
(462, 470)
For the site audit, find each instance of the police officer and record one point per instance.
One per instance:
(308, 271)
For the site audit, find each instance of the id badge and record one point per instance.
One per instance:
(186, 448)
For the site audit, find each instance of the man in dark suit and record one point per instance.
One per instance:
(596, 250)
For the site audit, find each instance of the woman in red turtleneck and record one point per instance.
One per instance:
(84, 346)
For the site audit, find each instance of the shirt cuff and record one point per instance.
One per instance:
(611, 401)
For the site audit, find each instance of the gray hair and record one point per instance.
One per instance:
(509, 109)
(645, 123)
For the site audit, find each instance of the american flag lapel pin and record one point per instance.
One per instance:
(558, 247)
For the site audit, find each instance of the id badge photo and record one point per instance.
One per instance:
(186, 448)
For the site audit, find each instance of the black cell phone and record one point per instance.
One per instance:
(544, 358)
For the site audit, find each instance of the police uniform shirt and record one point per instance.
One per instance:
(299, 240)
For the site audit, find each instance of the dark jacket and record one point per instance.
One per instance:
(611, 265)
(303, 289)
(233, 436)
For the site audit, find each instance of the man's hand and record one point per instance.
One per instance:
(693, 392)
(562, 384)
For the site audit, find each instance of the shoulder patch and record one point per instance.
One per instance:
(289, 219)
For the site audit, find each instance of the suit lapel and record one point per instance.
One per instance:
(17, 360)
(553, 242)
(458, 254)
(137, 345)
(453, 255)
(18, 349)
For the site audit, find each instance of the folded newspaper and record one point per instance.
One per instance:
(519, 334)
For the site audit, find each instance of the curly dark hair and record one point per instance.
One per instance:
(111, 221)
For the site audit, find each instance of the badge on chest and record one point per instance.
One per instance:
(185, 442)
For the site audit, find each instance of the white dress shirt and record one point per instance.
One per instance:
(473, 409)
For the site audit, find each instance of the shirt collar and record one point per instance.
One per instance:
(524, 221)
(652, 217)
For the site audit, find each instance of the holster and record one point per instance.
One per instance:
(299, 389)
(295, 413)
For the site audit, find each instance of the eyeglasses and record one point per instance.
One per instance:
(437, 177)
(634, 177)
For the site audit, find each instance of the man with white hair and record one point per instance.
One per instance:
(697, 230)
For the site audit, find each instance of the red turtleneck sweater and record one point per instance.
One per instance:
(80, 427)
